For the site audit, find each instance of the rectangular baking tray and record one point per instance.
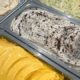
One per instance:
(60, 65)
(32, 51)
(2, 17)
(65, 13)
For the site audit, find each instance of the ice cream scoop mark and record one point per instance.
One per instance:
(19, 72)
(30, 75)
(14, 63)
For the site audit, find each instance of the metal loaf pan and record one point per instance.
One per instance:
(37, 50)
(2, 17)
(75, 19)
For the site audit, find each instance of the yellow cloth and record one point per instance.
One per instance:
(18, 64)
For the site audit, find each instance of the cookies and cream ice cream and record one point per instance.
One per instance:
(71, 7)
(50, 31)
(18, 64)
(6, 5)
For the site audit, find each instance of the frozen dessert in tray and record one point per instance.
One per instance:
(53, 32)
(19, 64)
